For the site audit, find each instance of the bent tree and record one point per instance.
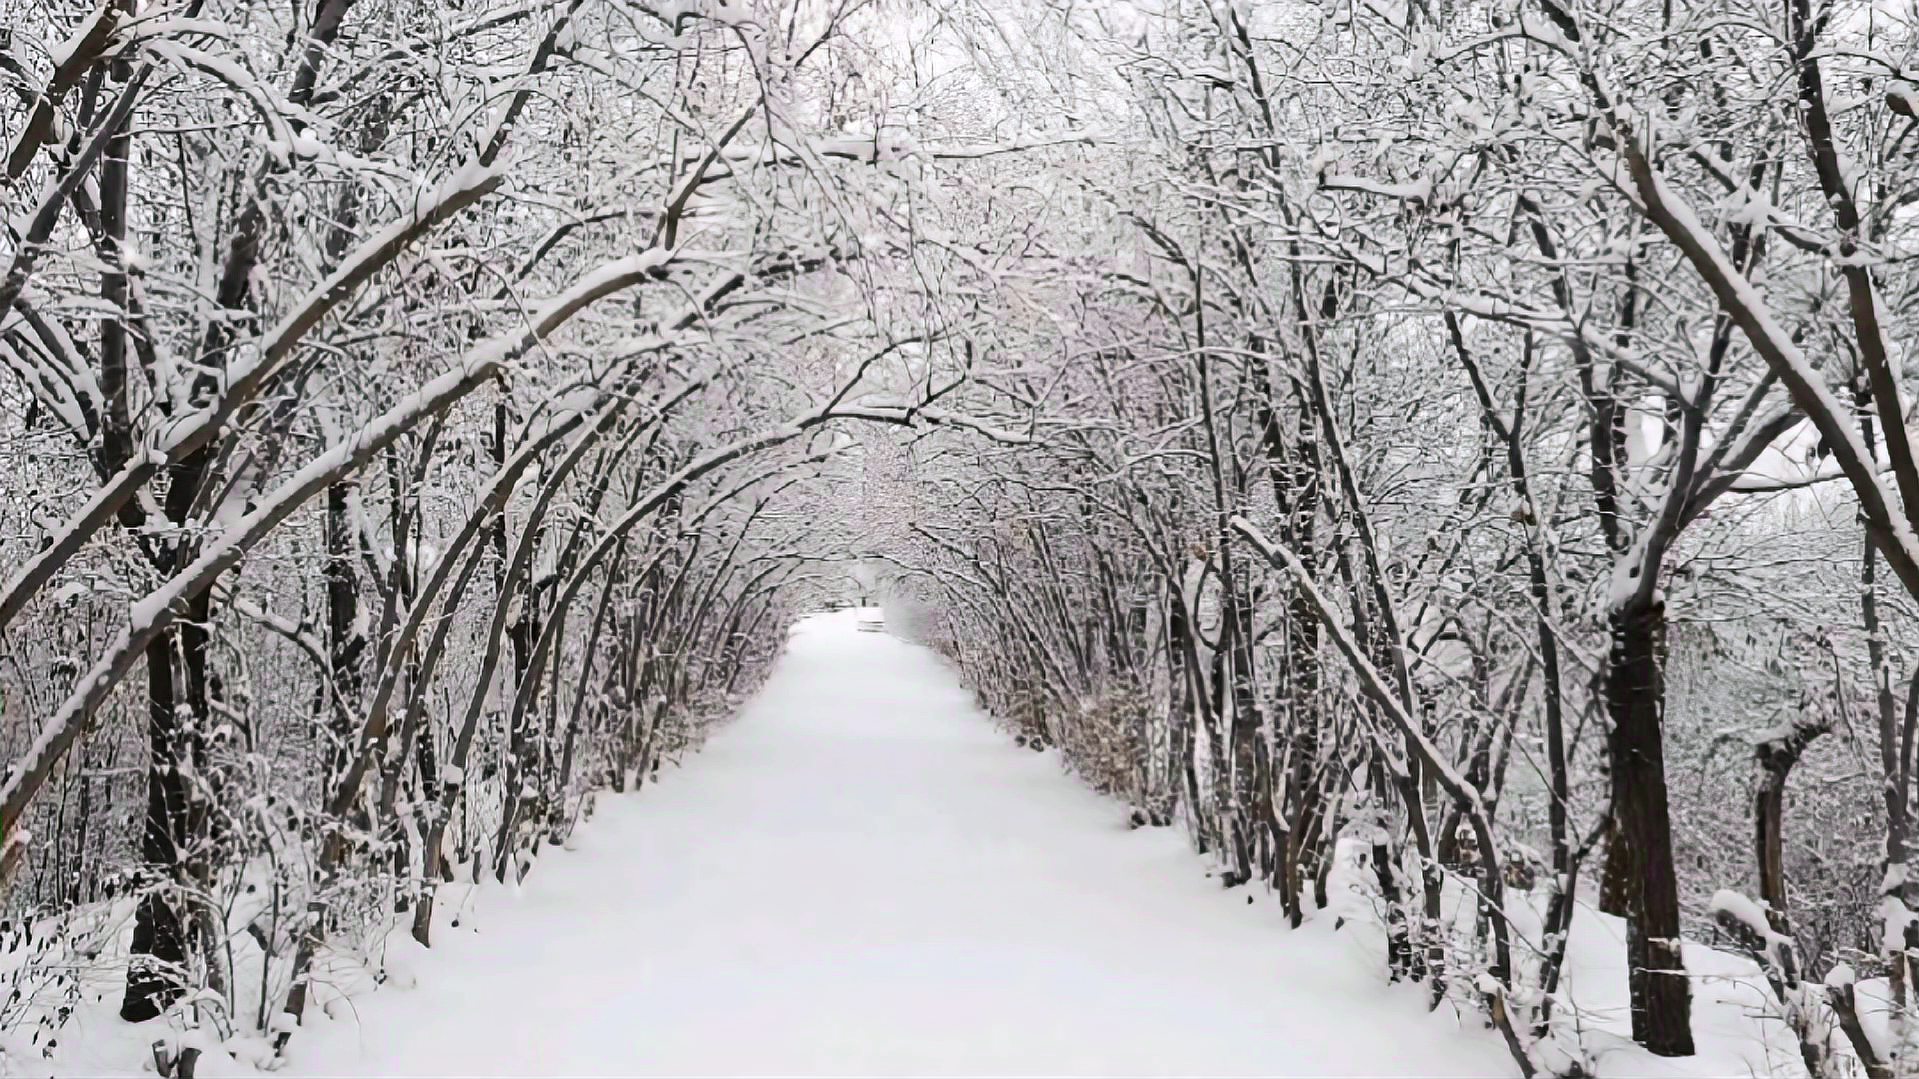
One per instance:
(1501, 370)
(436, 330)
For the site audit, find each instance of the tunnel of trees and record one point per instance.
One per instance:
(1467, 440)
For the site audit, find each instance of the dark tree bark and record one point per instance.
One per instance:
(1661, 997)
(159, 953)
(345, 640)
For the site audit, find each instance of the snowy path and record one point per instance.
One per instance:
(860, 875)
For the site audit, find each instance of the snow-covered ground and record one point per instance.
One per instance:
(861, 876)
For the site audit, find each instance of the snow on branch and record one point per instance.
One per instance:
(159, 609)
(72, 59)
(191, 431)
(1744, 304)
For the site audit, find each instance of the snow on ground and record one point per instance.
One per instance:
(861, 876)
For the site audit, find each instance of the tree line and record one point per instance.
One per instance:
(408, 412)
(1464, 446)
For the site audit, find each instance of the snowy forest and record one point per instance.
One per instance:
(1448, 463)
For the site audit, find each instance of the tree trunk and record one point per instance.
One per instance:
(345, 641)
(159, 957)
(1661, 997)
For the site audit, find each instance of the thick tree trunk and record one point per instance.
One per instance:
(1183, 746)
(1661, 997)
(159, 957)
(1776, 759)
(1303, 807)
(1243, 822)
(1401, 960)
(1293, 468)
(345, 640)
